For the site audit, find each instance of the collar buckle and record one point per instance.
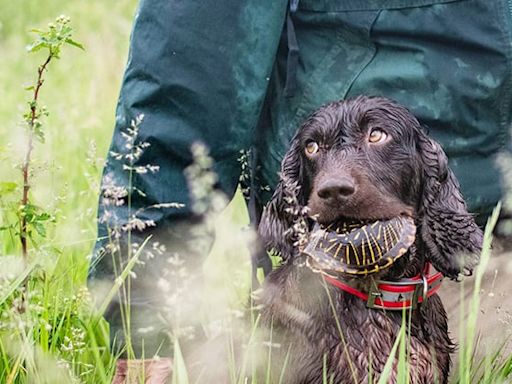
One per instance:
(411, 300)
(420, 291)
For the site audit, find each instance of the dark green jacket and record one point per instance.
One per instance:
(221, 72)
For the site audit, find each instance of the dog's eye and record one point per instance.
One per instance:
(377, 136)
(312, 148)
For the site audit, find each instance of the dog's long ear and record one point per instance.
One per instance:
(452, 239)
(278, 226)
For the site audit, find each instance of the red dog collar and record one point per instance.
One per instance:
(395, 295)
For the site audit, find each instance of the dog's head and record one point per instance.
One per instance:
(368, 158)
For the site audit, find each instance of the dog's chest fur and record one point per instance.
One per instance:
(306, 317)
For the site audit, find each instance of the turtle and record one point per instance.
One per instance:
(359, 247)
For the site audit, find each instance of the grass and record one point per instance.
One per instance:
(58, 338)
(51, 342)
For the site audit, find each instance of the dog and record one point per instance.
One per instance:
(366, 159)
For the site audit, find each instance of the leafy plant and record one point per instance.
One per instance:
(30, 217)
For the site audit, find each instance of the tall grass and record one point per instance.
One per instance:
(55, 341)
(493, 368)
(60, 338)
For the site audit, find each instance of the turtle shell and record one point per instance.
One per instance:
(360, 248)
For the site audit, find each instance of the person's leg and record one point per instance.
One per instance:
(198, 72)
(448, 61)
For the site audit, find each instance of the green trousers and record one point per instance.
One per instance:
(244, 74)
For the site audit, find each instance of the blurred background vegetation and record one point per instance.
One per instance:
(81, 93)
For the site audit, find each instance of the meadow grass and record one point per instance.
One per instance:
(58, 338)
(52, 342)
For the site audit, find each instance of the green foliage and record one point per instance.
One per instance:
(51, 40)
(36, 218)
(38, 321)
(31, 219)
(55, 37)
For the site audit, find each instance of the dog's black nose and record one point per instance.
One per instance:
(336, 189)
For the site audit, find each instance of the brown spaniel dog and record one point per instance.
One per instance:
(367, 160)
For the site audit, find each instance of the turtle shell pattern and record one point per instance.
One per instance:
(360, 248)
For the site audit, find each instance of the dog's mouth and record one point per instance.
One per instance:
(359, 247)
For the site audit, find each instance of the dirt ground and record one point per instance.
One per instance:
(494, 325)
